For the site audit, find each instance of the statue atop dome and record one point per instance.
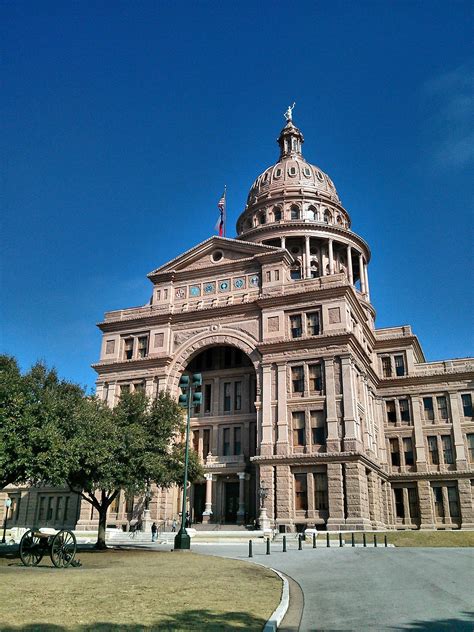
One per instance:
(289, 112)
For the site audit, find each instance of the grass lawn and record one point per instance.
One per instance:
(137, 590)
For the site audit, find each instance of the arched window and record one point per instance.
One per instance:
(295, 212)
(327, 217)
(311, 213)
(295, 272)
(277, 214)
(262, 218)
(339, 220)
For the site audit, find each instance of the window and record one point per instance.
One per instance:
(433, 450)
(237, 395)
(227, 357)
(297, 379)
(394, 452)
(312, 323)
(447, 449)
(467, 404)
(399, 508)
(59, 508)
(295, 273)
(438, 502)
(413, 502)
(277, 214)
(404, 410)
(327, 216)
(140, 387)
(263, 218)
(399, 365)
(206, 442)
(196, 441)
(453, 502)
(41, 508)
(128, 348)
(318, 427)
(298, 428)
(408, 450)
(237, 440)
(142, 346)
(321, 491)
(207, 397)
(124, 389)
(442, 407)
(296, 326)
(226, 397)
(295, 212)
(129, 502)
(391, 413)
(226, 442)
(66, 508)
(428, 408)
(301, 492)
(387, 366)
(315, 377)
(470, 447)
(114, 505)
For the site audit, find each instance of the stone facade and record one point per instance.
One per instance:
(342, 425)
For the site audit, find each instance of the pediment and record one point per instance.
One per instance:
(215, 252)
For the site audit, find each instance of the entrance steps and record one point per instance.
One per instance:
(228, 535)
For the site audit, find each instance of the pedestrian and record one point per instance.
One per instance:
(154, 531)
(173, 525)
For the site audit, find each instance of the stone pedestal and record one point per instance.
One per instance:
(147, 521)
(264, 520)
(241, 510)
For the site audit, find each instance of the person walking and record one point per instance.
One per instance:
(154, 531)
(173, 525)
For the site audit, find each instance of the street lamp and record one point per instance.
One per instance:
(262, 494)
(263, 519)
(7, 503)
(189, 398)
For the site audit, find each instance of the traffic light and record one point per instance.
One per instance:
(184, 386)
(197, 380)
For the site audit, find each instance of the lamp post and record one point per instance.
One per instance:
(189, 398)
(263, 519)
(7, 503)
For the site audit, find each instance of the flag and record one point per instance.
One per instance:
(220, 226)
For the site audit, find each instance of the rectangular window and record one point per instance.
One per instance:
(433, 450)
(399, 365)
(404, 410)
(196, 441)
(399, 508)
(114, 505)
(128, 348)
(129, 503)
(428, 408)
(143, 346)
(408, 450)
(226, 397)
(41, 508)
(413, 502)
(110, 347)
(226, 442)
(66, 509)
(438, 502)
(321, 491)
(237, 440)
(387, 366)
(206, 442)
(442, 407)
(315, 377)
(298, 428)
(447, 449)
(139, 387)
(59, 508)
(49, 515)
(268, 276)
(277, 275)
(470, 447)
(207, 398)
(237, 395)
(391, 413)
(394, 452)
(297, 379)
(467, 405)
(301, 492)
(312, 323)
(296, 326)
(453, 502)
(318, 427)
(124, 388)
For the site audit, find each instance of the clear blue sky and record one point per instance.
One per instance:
(122, 121)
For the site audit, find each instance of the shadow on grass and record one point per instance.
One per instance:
(188, 620)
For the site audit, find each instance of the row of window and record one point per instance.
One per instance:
(307, 324)
(320, 485)
(313, 214)
(437, 445)
(52, 508)
(393, 365)
(445, 502)
(230, 441)
(398, 411)
(317, 427)
(313, 376)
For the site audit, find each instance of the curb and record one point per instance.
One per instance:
(277, 615)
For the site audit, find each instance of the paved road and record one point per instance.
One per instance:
(375, 589)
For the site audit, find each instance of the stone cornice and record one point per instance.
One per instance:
(409, 476)
(463, 373)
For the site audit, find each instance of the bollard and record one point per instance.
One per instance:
(385, 540)
(327, 540)
(375, 539)
(340, 539)
(353, 539)
(314, 540)
(300, 542)
(365, 539)
(268, 546)
(250, 549)
(284, 544)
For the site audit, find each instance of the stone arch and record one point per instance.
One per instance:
(220, 337)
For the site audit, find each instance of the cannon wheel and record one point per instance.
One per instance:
(63, 548)
(31, 550)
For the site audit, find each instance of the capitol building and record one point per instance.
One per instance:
(307, 407)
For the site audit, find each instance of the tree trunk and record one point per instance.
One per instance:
(100, 544)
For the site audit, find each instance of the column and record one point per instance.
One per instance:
(350, 438)
(241, 510)
(465, 503)
(419, 439)
(322, 262)
(99, 391)
(282, 423)
(267, 429)
(283, 242)
(333, 443)
(310, 487)
(356, 499)
(461, 463)
(336, 520)
(215, 397)
(426, 506)
(349, 265)
(361, 274)
(406, 507)
(307, 251)
(149, 384)
(112, 396)
(331, 257)
(207, 513)
(366, 277)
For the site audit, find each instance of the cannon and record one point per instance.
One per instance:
(60, 545)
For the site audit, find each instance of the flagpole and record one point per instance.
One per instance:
(225, 207)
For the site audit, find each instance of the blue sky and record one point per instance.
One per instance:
(121, 123)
